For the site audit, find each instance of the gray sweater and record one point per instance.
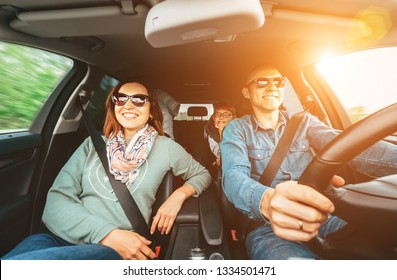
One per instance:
(81, 206)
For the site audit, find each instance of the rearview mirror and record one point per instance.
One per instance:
(176, 22)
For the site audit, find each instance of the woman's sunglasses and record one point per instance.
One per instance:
(278, 82)
(139, 100)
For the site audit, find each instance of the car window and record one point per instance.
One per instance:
(27, 77)
(183, 114)
(363, 81)
(291, 101)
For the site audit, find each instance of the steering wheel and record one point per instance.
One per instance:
(369, 208)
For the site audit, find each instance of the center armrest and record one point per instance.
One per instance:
(203, 211)
(210, 217)
(189, 212)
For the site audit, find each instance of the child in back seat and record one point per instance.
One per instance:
(223, 113)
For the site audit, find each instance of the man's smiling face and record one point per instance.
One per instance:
(265, 98)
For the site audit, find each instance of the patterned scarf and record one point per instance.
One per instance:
(124, 163)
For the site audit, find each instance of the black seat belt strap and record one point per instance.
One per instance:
(125, 198)
(281, 150)
(277, 158)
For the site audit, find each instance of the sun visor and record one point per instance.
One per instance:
(176, 22)
(81, 22)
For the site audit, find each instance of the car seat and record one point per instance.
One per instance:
(234, 221)
(190, 135)
(199, 223)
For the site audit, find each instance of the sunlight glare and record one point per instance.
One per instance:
(363, 81)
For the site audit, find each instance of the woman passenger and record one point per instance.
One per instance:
(82, 211)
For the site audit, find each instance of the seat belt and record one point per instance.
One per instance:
(281, 150)
(277, 158)
(124, 197)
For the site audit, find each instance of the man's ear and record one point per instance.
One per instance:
(246, 93)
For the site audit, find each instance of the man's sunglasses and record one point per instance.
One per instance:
(278, 82)
(139, 100)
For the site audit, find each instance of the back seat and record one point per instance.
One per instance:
(190, 135)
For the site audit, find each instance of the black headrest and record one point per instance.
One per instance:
(197, 111)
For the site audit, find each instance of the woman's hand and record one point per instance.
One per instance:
(130, 245)
(166, 214)
(297, 211)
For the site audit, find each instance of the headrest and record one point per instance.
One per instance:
(197, 111)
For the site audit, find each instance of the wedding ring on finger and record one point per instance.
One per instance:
(300, 223)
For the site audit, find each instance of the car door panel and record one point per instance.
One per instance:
(18, 158)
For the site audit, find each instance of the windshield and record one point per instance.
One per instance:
(363, 81)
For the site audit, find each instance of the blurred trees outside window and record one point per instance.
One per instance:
(27, 78)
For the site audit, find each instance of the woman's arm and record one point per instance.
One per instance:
(196, 177)
(129, 244)
(166, 214)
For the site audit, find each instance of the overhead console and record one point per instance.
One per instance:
(164, 23)
(176, 22)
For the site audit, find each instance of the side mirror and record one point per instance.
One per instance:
(176, 22)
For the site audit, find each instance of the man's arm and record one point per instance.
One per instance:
(286, 206)
(243, 191)
(377, 161)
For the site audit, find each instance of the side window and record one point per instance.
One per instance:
(27, 77)
(291, 100)
(363, 81)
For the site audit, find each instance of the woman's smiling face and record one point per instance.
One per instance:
(130, 117)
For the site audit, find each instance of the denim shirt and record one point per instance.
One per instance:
(246, 149)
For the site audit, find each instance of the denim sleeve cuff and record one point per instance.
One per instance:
(257, 195)
(266, 220)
